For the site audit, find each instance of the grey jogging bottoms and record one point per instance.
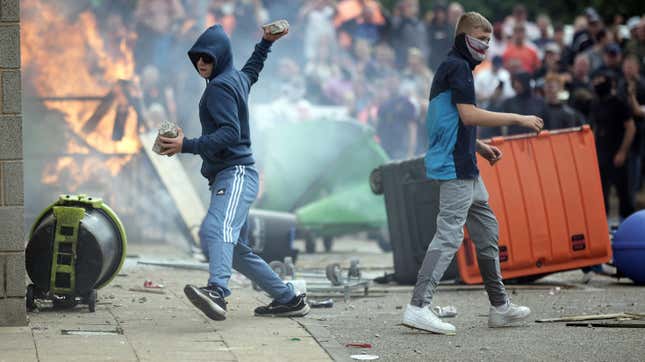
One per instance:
(462, 202)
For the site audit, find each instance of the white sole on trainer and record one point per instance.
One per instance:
(414, 325)
(512, 322)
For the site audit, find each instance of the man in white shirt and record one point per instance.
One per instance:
(493, 85)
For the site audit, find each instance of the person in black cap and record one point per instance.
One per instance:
(585, 38)
(611, 62)
(594, 20)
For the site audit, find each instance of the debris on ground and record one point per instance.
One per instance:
(187, 265)
(591, 317)
(295, 339)
(448, 311)
(327, 303)
(81, 332)
(359, 345)
(606, 325)
(363, 357)
(147, 290)
(554, 291)
(152, 285)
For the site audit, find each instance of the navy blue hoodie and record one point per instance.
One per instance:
(223, 109)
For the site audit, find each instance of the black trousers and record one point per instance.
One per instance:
(611, 175)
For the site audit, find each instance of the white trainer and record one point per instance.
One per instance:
(425, 319)
(506, 315)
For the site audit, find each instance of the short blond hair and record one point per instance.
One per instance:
(471, 21)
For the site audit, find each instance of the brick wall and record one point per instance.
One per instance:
(12, 255)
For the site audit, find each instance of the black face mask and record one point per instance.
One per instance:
(462, 48)
(603, 89)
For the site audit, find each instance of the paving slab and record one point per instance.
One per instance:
(141, 326)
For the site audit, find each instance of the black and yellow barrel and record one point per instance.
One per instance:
(76, 246)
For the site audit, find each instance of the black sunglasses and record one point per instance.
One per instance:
(206, 58)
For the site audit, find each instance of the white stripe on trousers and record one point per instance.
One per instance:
(233, 202)
(237, 202)
(229, 206)
(238, 195)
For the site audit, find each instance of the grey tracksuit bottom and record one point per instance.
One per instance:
(462, 202)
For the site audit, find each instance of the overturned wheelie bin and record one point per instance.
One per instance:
(318, 170)
(76, 246)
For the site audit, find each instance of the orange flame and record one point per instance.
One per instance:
(74, 173)
(69, 58)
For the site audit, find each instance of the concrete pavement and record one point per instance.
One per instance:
(137, 326)
(145, 326)
(377, 319)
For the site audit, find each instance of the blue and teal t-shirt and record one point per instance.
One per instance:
(452, 145)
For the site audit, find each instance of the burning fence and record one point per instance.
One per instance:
(84, 80)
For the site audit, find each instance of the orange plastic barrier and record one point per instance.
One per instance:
(547, 196)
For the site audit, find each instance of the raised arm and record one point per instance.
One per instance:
(254, 65)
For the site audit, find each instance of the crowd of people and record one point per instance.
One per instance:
(378, 64)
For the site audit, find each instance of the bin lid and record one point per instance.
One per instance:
(354, 206)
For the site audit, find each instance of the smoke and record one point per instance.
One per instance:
(64, 155)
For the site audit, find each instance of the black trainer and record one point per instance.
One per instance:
(208, 300)
(297, 307)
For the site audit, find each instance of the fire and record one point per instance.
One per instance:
(77, 148)
(66, 57)
(73, 172)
